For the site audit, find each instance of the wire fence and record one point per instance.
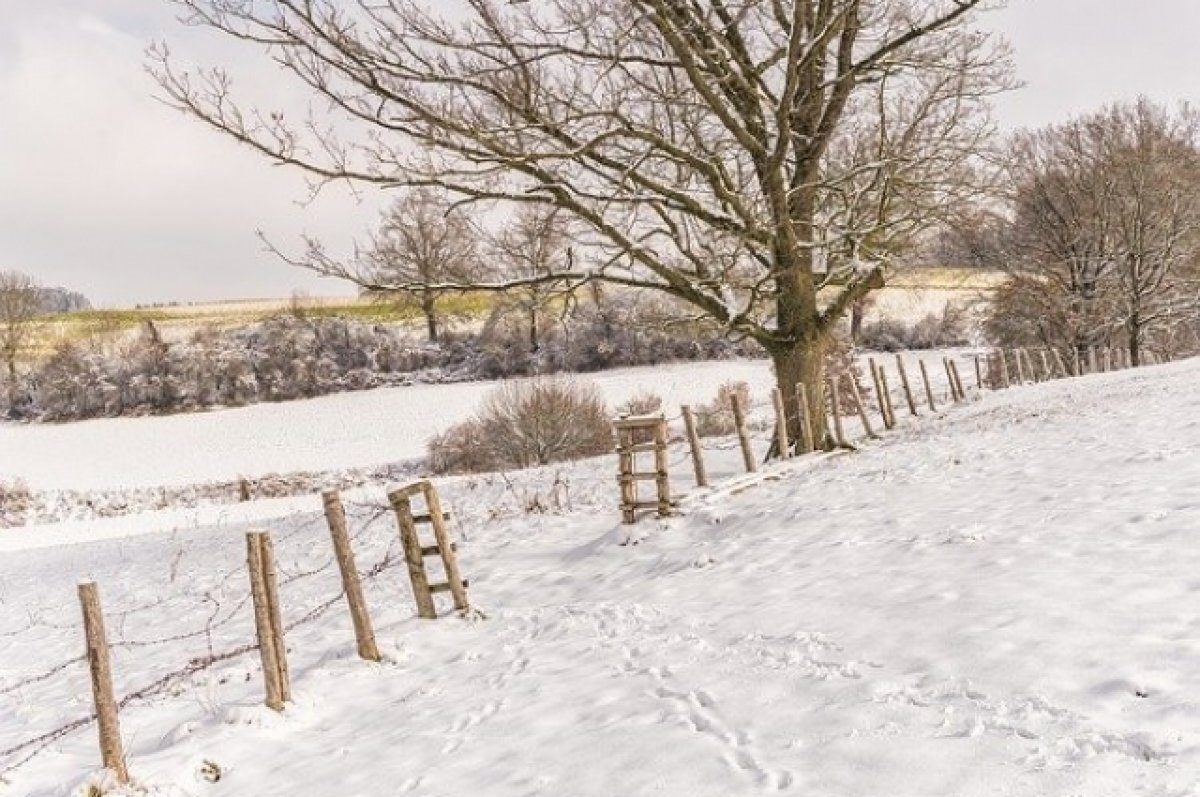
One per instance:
(202, 593)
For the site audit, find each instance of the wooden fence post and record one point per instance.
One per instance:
(781, 433)
(928, 387)
(978, 374)
(1108, 358)
(264, 591)
(1093, 362)
(806, 431)
(689, 425)
(112, 753)
(908, 394)
(1062, 366)
(1020, 366)
(1004, 380)
(888, 421)
(834, 401)
(364, 634)
(1076, 362)
(739, 421)
(1046, 369)
(962, 393)
(862, 407)
(950, 380)
(887, 398)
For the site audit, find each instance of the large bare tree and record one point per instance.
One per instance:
(20, 305)
(759, 160)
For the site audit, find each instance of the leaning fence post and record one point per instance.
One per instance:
(806, 431)
(950, 380)
(861, 407)
(928, 387)
(739, 420)
(781, 434)
(266, 618)
(958, 386)
(112, 753)
(1062, 366)
(888, 420)
(886, 395)
(908, 394)
(364, 634)
(689, 425)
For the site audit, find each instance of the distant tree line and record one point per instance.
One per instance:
(292, 355)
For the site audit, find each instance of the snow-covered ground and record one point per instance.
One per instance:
(1004, 599)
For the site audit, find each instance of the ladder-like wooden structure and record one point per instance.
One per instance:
(415, 553)
(637, 434)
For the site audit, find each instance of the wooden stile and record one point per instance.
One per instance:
(112, 752)
(689, 425)
(364, 634)
(415, 553)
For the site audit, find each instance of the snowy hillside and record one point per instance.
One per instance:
(1004, 599)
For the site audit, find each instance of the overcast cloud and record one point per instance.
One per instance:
(106, 191)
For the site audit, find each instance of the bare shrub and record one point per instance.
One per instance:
(716, 419)
(524, 424)
(15, 502)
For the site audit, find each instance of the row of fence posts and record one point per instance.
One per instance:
(268, 614)
(992, 370)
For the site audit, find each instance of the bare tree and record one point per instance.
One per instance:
(20, 306)
(718, 152)
(529, 251)
(423, 243)
(1104, 237)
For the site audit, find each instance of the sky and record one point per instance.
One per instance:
(107, 191)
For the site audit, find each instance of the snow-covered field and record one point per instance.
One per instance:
(1004, 599)
(330, 433)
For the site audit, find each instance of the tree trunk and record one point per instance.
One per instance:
(534, 343)
(1135, 342)
(430, 311)
(804, 365)
(857, 311)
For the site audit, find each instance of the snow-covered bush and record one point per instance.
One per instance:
(525, 423)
